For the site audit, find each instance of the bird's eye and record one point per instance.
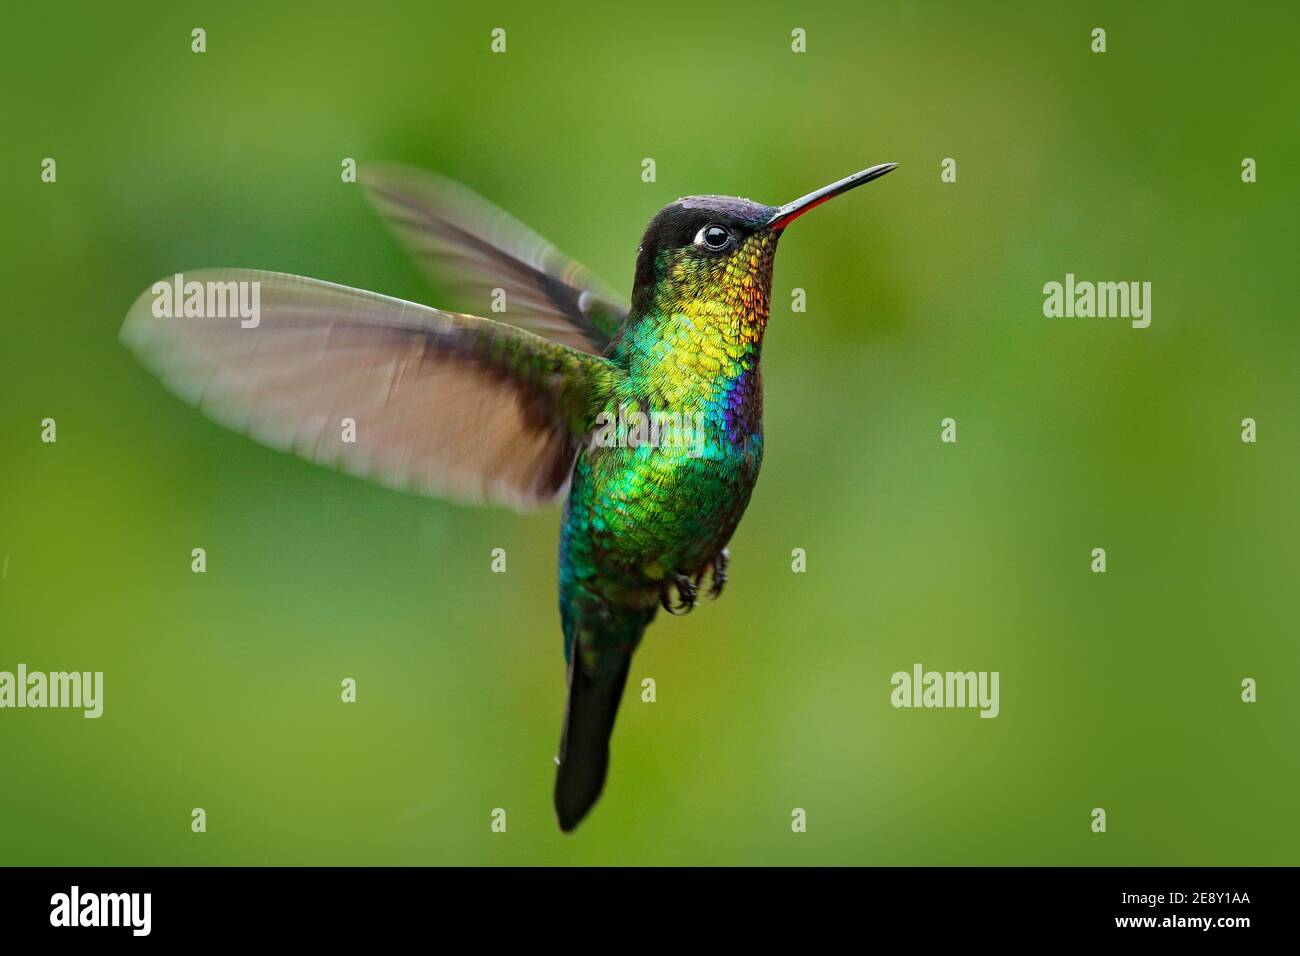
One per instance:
(712, 237)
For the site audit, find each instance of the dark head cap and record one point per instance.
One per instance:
(707, 227)
(716, 226)
(698, 236)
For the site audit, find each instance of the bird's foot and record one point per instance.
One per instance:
(686, 592)
(717, 569)
(720, 564)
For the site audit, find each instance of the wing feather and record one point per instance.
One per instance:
(445, 404)
(468, 245)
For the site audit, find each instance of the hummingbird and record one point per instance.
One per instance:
(516, 411)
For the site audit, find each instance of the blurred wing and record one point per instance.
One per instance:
(467, 244)
(443, 404)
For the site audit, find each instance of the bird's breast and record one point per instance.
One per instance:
(670, 507)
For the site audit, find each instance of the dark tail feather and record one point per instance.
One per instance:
(584, 743)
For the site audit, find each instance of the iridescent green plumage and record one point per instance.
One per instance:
(518, 412)
(643, 525)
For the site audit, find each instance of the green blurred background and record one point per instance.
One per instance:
(1119, 690)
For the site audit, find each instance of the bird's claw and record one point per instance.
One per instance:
(720, 564)
(718, 575)
(686, 592)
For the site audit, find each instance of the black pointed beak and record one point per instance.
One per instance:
(793, 210)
